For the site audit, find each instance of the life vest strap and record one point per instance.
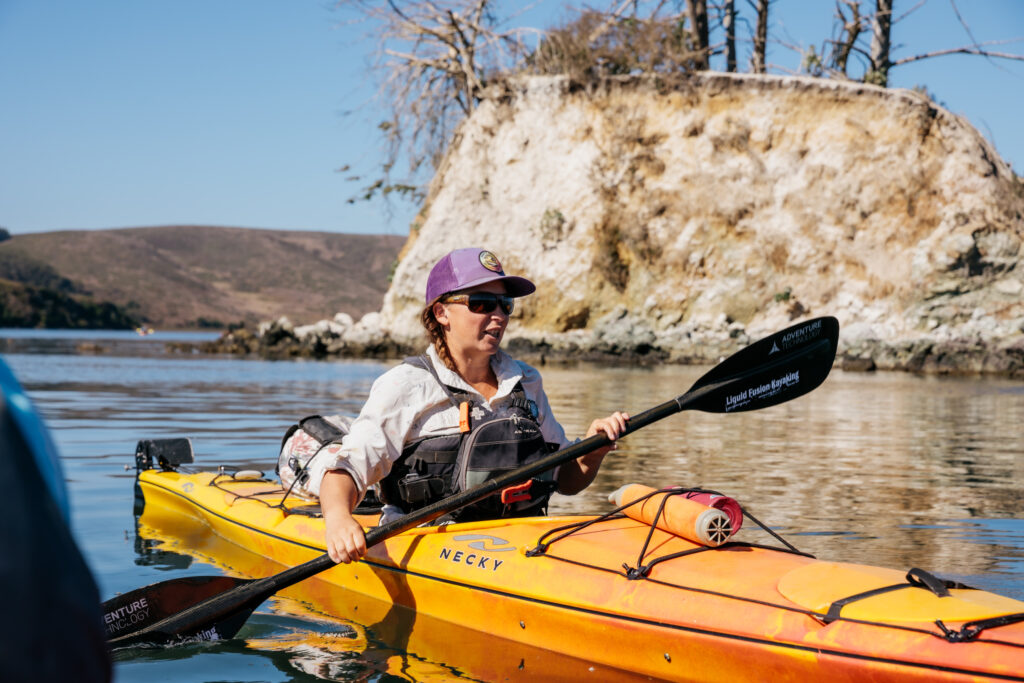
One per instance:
(433, 458)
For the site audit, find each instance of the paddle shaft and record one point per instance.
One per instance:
(521, 474)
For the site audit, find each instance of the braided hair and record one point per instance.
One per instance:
(435, 335)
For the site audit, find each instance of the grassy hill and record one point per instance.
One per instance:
(191, 276)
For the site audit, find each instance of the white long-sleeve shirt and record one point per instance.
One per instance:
(406, 404)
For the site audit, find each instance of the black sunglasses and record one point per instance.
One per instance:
(482, 302)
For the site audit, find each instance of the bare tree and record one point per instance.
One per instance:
(729, 25)
(980, 49)
(758, 63)
(697, 10)
(436, 61)
(881, 27)
(850, 25)
(876, 61)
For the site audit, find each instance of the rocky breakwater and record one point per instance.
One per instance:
(339, 336)
(679, 220)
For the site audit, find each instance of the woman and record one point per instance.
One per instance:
(430, 412)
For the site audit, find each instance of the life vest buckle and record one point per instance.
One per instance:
(516, 494)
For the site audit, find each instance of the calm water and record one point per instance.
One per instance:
(891, 469)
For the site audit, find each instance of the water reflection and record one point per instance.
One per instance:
(150, 553)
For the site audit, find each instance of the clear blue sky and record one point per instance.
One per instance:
(118, 113)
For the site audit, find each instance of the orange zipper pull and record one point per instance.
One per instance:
(464, 416)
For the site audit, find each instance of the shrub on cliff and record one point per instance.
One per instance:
(592, 47)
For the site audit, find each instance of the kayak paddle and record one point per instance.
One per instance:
(775, 369)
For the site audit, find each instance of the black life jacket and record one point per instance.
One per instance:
(488, 444)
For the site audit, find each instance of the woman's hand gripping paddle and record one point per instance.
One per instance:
(773, 370)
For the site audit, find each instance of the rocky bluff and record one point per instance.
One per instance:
(681, 220)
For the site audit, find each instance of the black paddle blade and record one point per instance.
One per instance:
(194, 625)
(129, 618)
(773, 370)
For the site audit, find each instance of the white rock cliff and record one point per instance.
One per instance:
(684, 219)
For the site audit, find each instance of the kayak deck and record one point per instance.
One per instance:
(615, 592)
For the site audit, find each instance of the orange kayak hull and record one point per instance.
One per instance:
(737, 612)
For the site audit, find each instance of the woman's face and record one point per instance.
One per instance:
(473, 333)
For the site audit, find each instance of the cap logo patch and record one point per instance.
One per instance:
(490, 262)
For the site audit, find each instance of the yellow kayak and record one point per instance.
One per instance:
(571, 595)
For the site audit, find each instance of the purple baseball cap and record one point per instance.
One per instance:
(464, 268)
